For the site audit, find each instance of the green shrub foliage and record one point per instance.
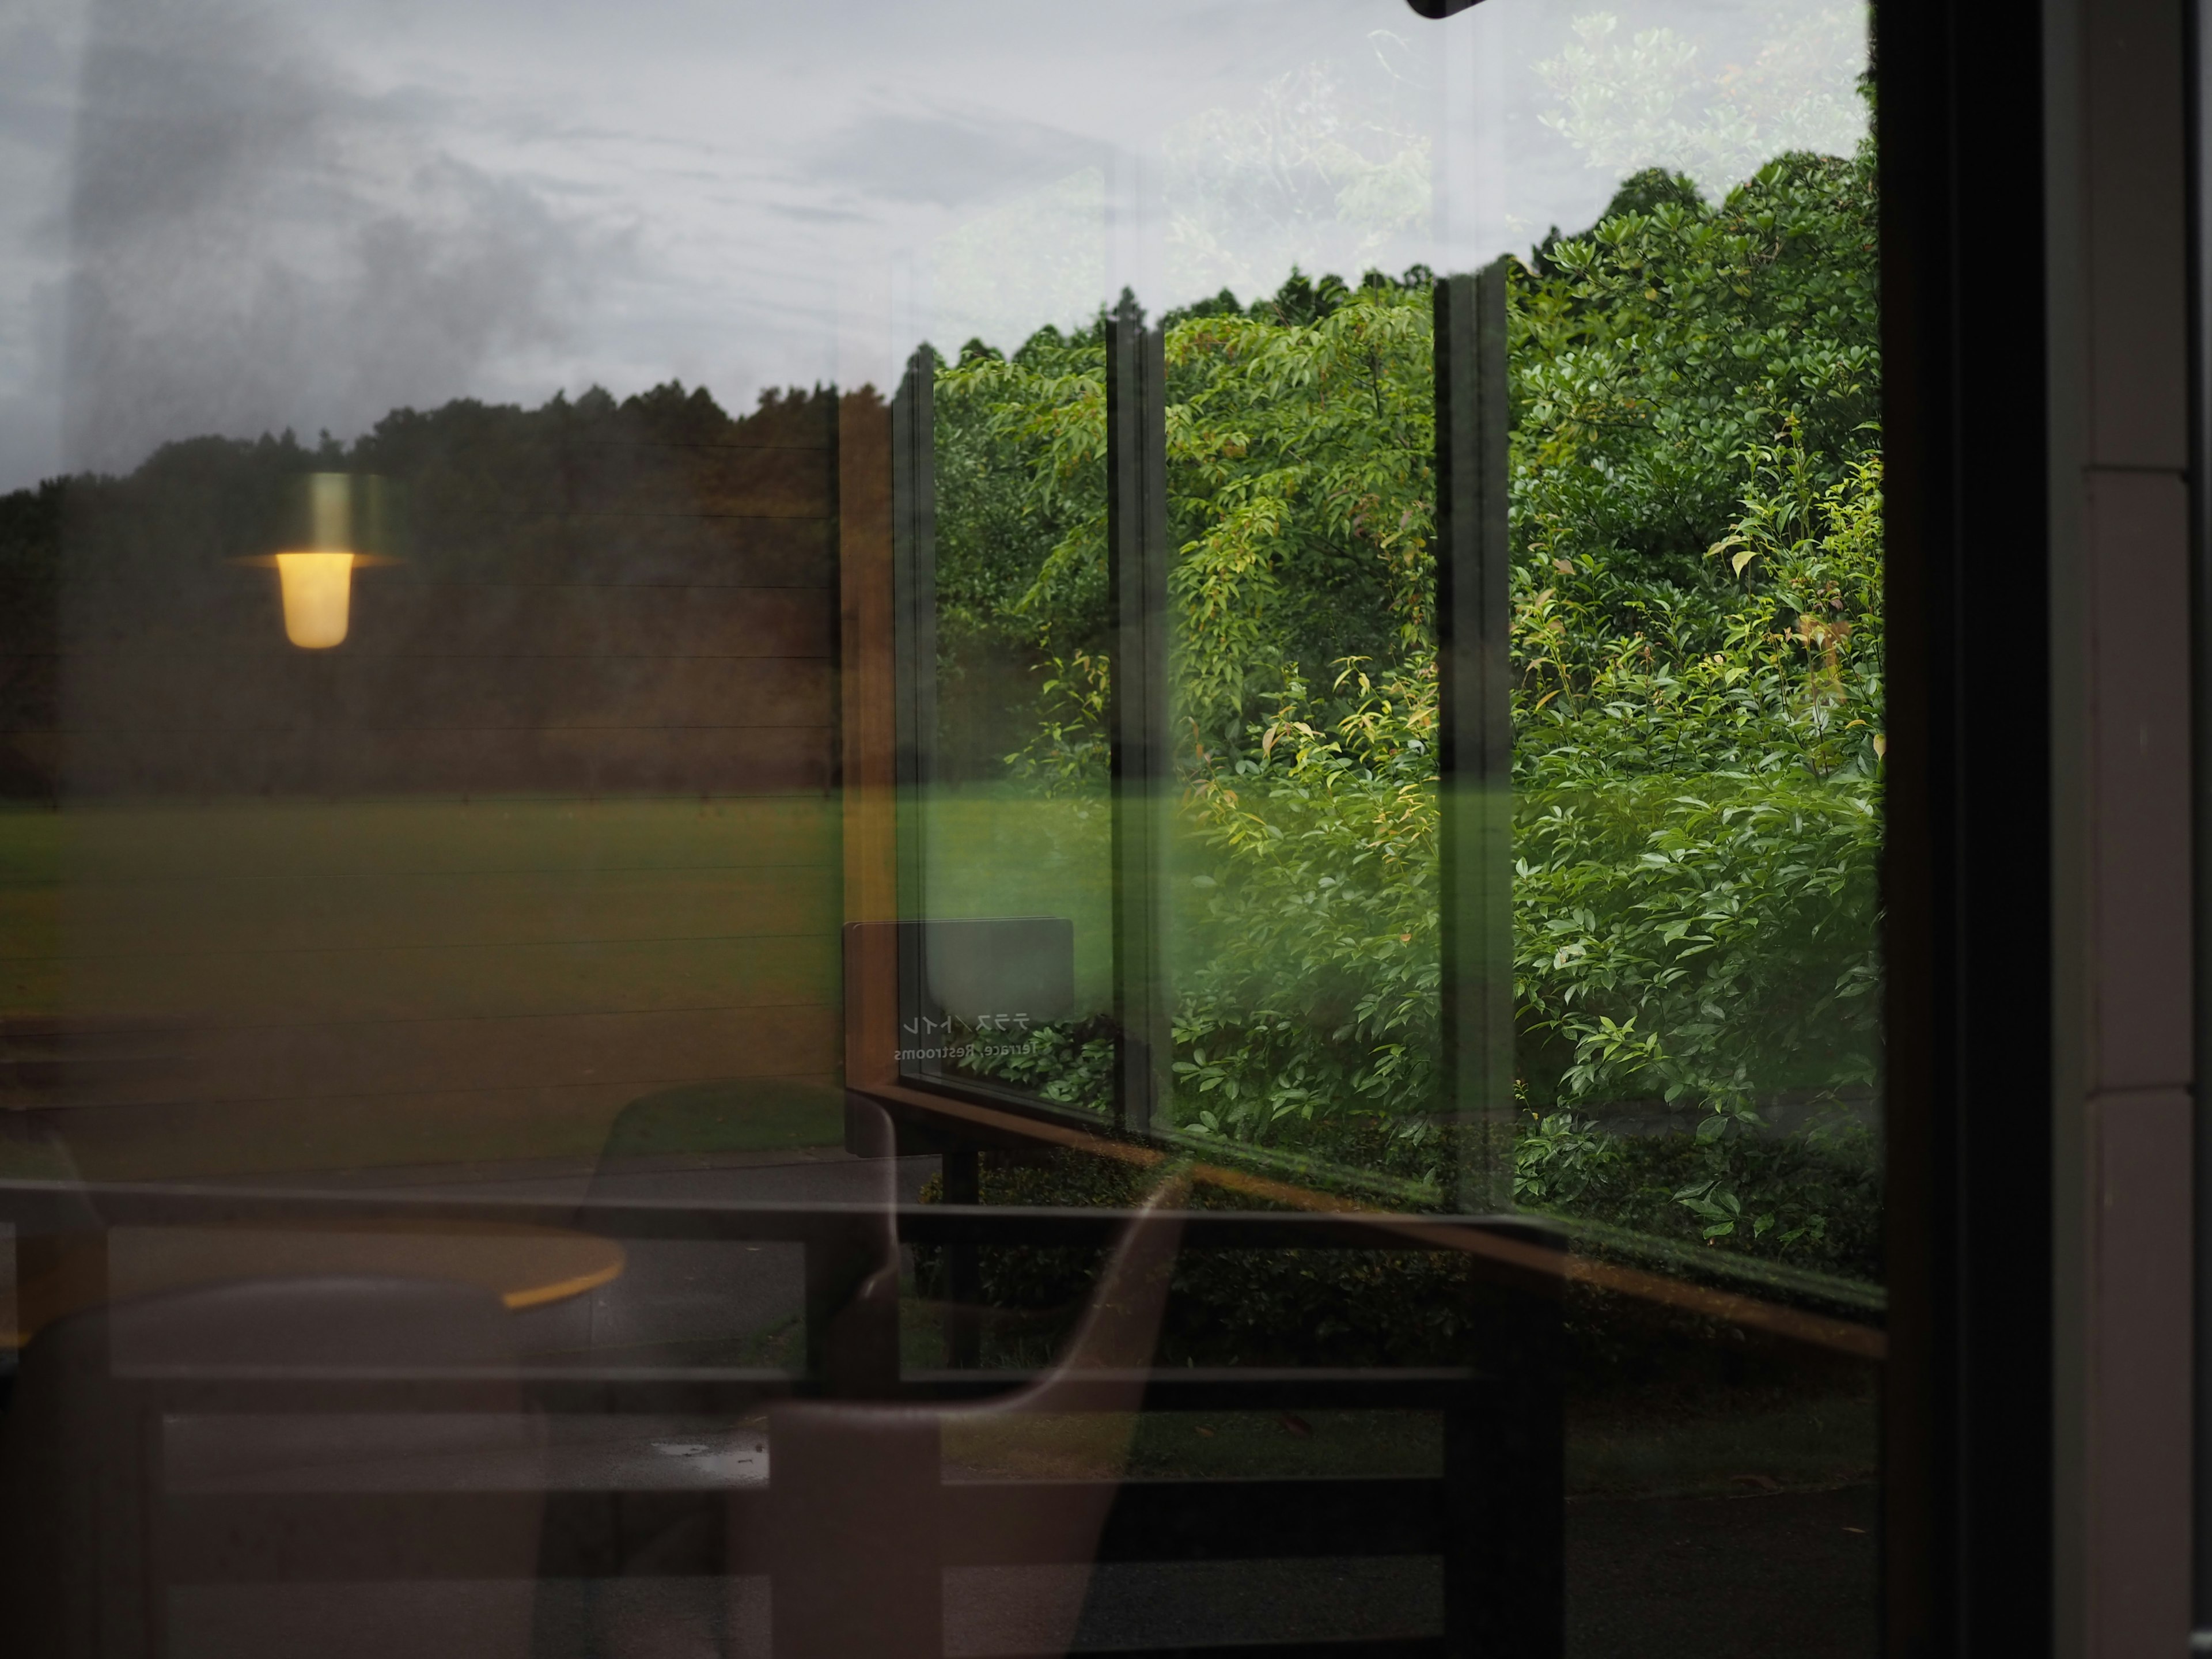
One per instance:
(1696, 651)
(1284, 1307)
(1697, 701)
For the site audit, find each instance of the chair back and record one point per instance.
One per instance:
(856, 1535)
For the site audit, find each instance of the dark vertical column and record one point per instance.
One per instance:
(2199, 84)
(2120, 746)
(852, 1271)
(1472, 606)
(914, 636)
(854, 1535)
(1505, 1577)
(851, 1307)
(963, 1276)
(1968, 856)
(1137, 552)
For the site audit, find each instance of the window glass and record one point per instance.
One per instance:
(790, 657)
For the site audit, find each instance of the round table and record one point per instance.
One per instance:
(525, 1267)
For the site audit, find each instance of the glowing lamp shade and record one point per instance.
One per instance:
(318, 593)
(337, 523)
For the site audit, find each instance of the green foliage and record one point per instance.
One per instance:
(1308, 1014)
(1021, 487)
(1660, 350)
(1697, 662)
(1697, 651)
(1300, 436)
(1287, 1307)
(1068, 749)
(1299, 455)
(1812, 1198)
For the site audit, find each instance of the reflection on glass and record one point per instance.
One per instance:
(1696, 647)
(1102, 364)
(1008, 841)
(1303, 604)
(1698, 632)
(317, 591)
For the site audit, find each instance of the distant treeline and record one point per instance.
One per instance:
(91, 562)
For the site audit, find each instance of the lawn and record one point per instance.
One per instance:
(243, 985)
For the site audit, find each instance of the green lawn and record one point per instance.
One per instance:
(320, 983)
(1002, 850)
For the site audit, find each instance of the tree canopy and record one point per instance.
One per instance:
(1697, 653)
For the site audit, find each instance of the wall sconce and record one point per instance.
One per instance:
(340, 523)
(318, 590)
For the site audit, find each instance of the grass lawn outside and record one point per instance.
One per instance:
(304, 985)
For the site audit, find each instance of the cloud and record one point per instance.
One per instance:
(256, 244)
(814, 216)
(943, 161)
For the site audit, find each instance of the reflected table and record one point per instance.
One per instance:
(526, 1266)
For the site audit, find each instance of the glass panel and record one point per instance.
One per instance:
(697, 686)
(1007, 821)
(1302, 888)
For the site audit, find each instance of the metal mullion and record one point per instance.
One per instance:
(1137, 547)
(1473, 602)
(913, 633)
(2197, 83)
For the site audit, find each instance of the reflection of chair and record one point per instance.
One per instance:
(32, 1149)
(177, 1459)
(851, 1338)
(700, 1120)
(61, 1260)
(660, 1142)
(859, 1531)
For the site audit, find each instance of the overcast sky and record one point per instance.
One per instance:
(218, 215)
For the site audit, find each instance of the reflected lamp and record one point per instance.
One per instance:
(339, 524)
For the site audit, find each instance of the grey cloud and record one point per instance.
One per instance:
(815, 216)
(943, 161)
(255, 245)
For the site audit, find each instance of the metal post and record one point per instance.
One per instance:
(914, 646)
(963, 1276)
(1505, 1582)
(851, 1318)
(1137, 548)
(1473, 608)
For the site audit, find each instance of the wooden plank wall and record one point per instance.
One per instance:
(555, 828)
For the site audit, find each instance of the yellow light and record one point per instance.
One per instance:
(317, 591)
(337, 523)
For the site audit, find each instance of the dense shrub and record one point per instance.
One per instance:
(1696, 646)
(1226, 1307)
(1363, 1307)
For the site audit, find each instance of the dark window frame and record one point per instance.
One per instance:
(1968, 1467)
